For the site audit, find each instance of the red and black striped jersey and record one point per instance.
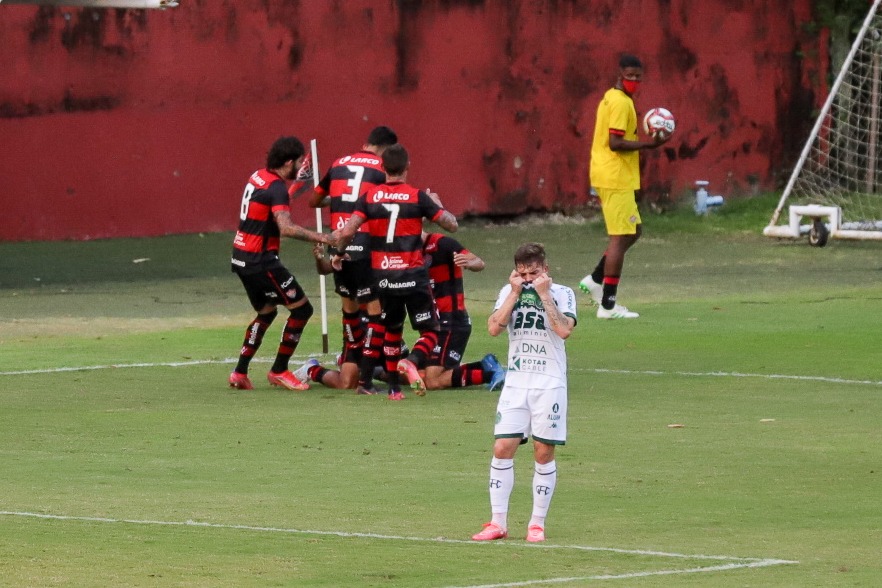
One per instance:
(446, 278)
(348, 178)
(256, 245)
(394, 213)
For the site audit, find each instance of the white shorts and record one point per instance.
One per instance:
(522, 412)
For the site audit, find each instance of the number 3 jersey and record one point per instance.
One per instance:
(348, 178)
(537, 356)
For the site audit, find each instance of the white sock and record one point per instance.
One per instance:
(501, 484)
(544, 481)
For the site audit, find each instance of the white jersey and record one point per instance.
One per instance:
(537, 356)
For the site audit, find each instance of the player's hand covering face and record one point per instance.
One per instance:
(528, 273)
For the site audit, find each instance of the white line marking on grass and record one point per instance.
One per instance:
(721, 568)
(115, 366)
(231, 360)
(734, 562)
(830, 380)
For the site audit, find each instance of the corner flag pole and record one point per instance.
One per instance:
(318, 227)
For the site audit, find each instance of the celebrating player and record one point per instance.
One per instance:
(348, 178)
(395, 212)
(538, 315)
(446, 258)
(264, 216)
(615, 175)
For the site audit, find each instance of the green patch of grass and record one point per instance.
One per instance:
(736, 215)
(762, 351)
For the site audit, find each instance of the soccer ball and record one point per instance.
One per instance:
(659, 120)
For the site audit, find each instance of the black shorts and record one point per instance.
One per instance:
(356, 281)
(351, 354)
(418, 304)
(451, 346)
(274, 286)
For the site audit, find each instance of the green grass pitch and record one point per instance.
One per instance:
(125, 460)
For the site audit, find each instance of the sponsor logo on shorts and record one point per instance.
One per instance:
(554, 418)
(354, 248)
(423, 316)
(396, 285)
(363, 291)
(238, 263)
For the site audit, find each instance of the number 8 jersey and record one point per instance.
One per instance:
(537, 355)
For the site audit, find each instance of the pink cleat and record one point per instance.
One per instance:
(410, 371)
(286, 380)
(535, 534)
(396, 395)
(240, 381)
(491, 532)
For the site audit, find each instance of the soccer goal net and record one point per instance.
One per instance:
(836, 185)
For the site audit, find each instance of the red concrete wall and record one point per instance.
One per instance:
(138, 123)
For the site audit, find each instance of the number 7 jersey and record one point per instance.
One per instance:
(537, 356)
(394, 213)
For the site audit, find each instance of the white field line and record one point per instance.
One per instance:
(721, 568)
(734, 562)
(230, 360)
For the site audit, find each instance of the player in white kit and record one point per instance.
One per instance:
(538, 315)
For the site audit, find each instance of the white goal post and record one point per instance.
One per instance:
(839, 173)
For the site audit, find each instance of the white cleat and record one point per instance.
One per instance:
(616, 312)
(592, 288)
(302, 373)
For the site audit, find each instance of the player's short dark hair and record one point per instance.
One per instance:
(284, 149)
(628, 60)
(395, 159)
(530, 253)
(382, 137)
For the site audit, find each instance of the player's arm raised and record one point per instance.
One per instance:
(318, 199)
(469, 261)
(498, 321)
(558, 322)
(447, 220)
